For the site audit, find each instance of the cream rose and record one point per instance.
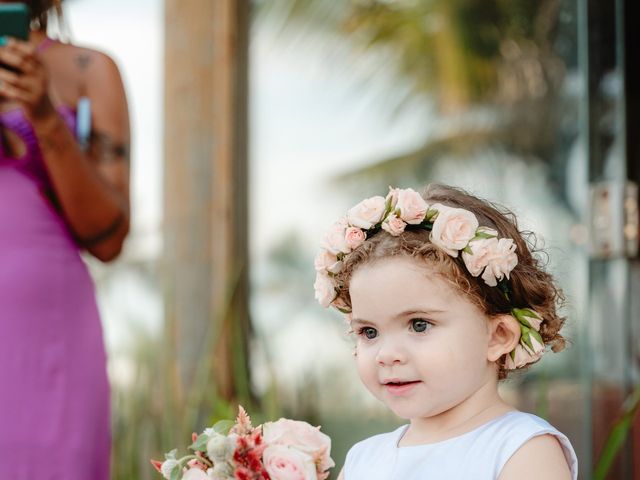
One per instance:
(326, 261)
(411, 206)
(392, 197)
(334, 240)
(478, 259)
(531, 317)
(324, 289)
(302, 436)
(453, 228)
(288, 463)
(367, 213)
(195, 474)
(522, 357)
(538, 348)
(394, 225)
(355, 237)
(502, 260)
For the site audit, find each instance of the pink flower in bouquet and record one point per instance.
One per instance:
(303, 437)
(195, 474)
(248, 456)
(289, 463)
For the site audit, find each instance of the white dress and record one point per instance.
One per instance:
(478, 455)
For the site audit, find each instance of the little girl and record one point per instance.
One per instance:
(445, 298)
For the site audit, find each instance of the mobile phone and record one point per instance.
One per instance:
(14, 21)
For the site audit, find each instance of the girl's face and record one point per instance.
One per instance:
(421, 344)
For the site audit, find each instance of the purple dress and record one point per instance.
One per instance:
(54, 394)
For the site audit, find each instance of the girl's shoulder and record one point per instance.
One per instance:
(486, 448)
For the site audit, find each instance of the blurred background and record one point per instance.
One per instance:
(255, 124)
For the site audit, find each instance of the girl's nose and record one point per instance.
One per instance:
(390, 352)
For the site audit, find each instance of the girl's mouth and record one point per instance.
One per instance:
(400, 388)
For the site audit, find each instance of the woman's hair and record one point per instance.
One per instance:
(531, 286)
(40, 9)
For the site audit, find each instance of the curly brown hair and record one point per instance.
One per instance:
(530, 285)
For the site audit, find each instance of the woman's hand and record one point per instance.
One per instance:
(24, 79)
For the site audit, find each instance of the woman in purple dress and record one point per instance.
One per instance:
(58, 196)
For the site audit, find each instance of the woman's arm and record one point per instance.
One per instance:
(92, 188)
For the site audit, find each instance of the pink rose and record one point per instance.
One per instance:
(288, 463)
(393, 225)
(302, 436)
(334, 240)
(367, 213)
(411, 206)
(453, 228)
(502, 260)
(480, 254)
(325, 290)
(326, 261)
(354, 237)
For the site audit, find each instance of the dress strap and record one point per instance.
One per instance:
(44, 44)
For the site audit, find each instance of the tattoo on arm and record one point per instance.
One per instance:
(83, 60)
(105, 149)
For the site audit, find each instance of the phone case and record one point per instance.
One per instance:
(14, 20)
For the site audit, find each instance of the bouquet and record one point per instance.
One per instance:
(281, 450)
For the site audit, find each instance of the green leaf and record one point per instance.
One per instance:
(432, 213)
(618, 435)
(200, 444)
(223, 426)
(468, 250)
(171, 455)
(537, 335)
(482, 235)
(176, 473)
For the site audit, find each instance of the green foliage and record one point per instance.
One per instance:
(618, 436)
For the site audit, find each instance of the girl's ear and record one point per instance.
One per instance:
(504, 335)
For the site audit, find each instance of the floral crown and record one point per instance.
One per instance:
(455, 230)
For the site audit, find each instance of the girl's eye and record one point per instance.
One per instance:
(368, 332)
(419, 325)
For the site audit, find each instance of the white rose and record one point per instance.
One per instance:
(195, 474)
(334, 240)
(480, 253)
(531, 317)
(221, 471)
(522, 357)
(411, 206)
(538, 348)
(325, 290)
(393, 225)
(367, 213)
(453, 228)
(288, 463)
(392, 197)
(326, 261)
(502, 260)
(167, 467)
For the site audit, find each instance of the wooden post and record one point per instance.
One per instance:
(205, 197)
